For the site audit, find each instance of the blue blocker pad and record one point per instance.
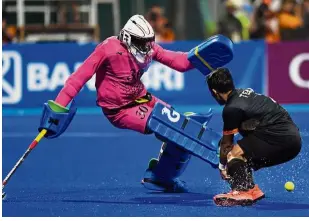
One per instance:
(194, 137)
(201, 118)
(213, 53)
(56, 122)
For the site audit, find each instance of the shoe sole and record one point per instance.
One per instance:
(157, 186)
(148, 184)
(232, 202)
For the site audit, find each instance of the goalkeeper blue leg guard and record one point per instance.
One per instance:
(162, 174)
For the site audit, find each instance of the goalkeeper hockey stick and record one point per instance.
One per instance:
(33, 144)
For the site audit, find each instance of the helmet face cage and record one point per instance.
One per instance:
(143, 45)
(140, 48)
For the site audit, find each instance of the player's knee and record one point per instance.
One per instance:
(236, 152)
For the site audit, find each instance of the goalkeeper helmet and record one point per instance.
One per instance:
(139, 37)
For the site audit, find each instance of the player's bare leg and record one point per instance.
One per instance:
(243, 189)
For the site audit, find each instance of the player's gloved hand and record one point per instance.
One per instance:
(223, 172)
(56, 118)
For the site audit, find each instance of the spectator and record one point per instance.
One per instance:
(160, 25)
(243, 15)
(306, 18)
(265, 24)
(8, 33)
(290, 21)
(229, 25)
(68, 12)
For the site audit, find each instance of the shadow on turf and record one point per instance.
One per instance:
(266, 205)
(183, 199)
(193, 202)
(159, 198)
(193, 199)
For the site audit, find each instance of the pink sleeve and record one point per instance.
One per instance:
(175, 60)
(80, 77)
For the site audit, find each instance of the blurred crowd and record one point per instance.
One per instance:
(67, 13)
(272, 20)
(160, 24)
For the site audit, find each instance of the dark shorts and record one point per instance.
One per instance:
(261, 153)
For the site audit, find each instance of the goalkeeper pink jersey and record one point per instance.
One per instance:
(118, 75)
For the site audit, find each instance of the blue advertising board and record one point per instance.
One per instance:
(35, 73)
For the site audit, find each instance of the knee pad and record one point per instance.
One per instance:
(172, 163)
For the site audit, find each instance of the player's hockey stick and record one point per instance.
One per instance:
(19, 162)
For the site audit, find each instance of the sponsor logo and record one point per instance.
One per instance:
(294, 70)
(159, 77)
(38, 76)
(43, 78)
(172, 116)
(288, 73)
(12, 69)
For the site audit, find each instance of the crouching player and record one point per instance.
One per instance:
(270, 137)
(119, 63)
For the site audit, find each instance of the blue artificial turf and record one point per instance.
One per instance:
(95, 169)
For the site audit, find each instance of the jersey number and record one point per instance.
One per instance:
(246, 93)
(141, 112)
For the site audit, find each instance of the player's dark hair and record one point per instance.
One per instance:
(220, 80)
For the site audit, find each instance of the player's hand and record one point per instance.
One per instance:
(223, 172)
(224, 175)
